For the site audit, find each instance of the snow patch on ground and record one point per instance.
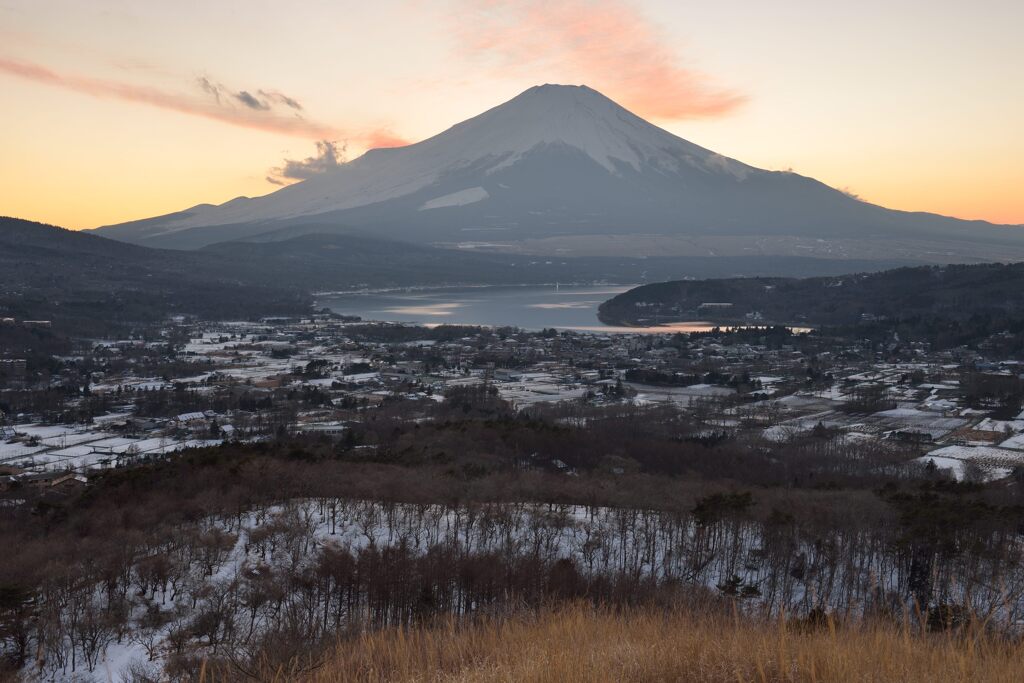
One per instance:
(995, 463)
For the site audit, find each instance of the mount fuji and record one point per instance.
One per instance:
(564, 170)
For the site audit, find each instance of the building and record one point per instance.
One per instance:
(13, 368)
(52, 479)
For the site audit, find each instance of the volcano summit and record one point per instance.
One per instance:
(565, 170)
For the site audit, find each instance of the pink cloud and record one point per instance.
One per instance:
(185, 104)
(211, 101)
(608, 44)
(382, 137)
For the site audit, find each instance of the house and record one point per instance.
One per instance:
(52, 479)
(910, 436)
(396, 372)
(328, 428)
(13, 368)
(507, 375)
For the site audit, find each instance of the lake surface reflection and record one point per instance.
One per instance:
(531, 308)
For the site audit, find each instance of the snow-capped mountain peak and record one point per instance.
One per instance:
(557, 168)
(574, 116)
(568, 116)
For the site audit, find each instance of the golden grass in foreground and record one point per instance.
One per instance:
(578, 643)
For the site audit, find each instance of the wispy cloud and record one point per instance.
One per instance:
(266, 110)
(329, 155)
(281, 99)
(608, 44)
(209, 87)
(212, 107)
(251, 101)
(262, 100)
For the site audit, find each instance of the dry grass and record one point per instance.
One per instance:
(578, 643)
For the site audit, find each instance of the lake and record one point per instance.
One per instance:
(528, 307)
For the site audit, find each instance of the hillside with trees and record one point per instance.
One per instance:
(246, 559)
(85, 284)
(948, 304)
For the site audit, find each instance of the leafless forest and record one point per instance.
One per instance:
(247, 553)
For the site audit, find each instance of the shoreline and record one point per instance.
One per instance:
(440, 288)
(598, 325)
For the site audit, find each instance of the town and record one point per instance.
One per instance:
(190, 384)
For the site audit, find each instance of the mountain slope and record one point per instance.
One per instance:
(318, 261)
(563, 169)
(89, 284)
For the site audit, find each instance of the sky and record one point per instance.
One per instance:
(115, 110)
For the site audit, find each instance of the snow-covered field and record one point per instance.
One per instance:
(44, 448)
(991, 462)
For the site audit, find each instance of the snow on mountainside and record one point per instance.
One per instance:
(565, 170)
(460, 198)
(573, 116)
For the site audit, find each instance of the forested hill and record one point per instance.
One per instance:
(90, 285)
(992, 292)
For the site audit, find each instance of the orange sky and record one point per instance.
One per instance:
(116, 110)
